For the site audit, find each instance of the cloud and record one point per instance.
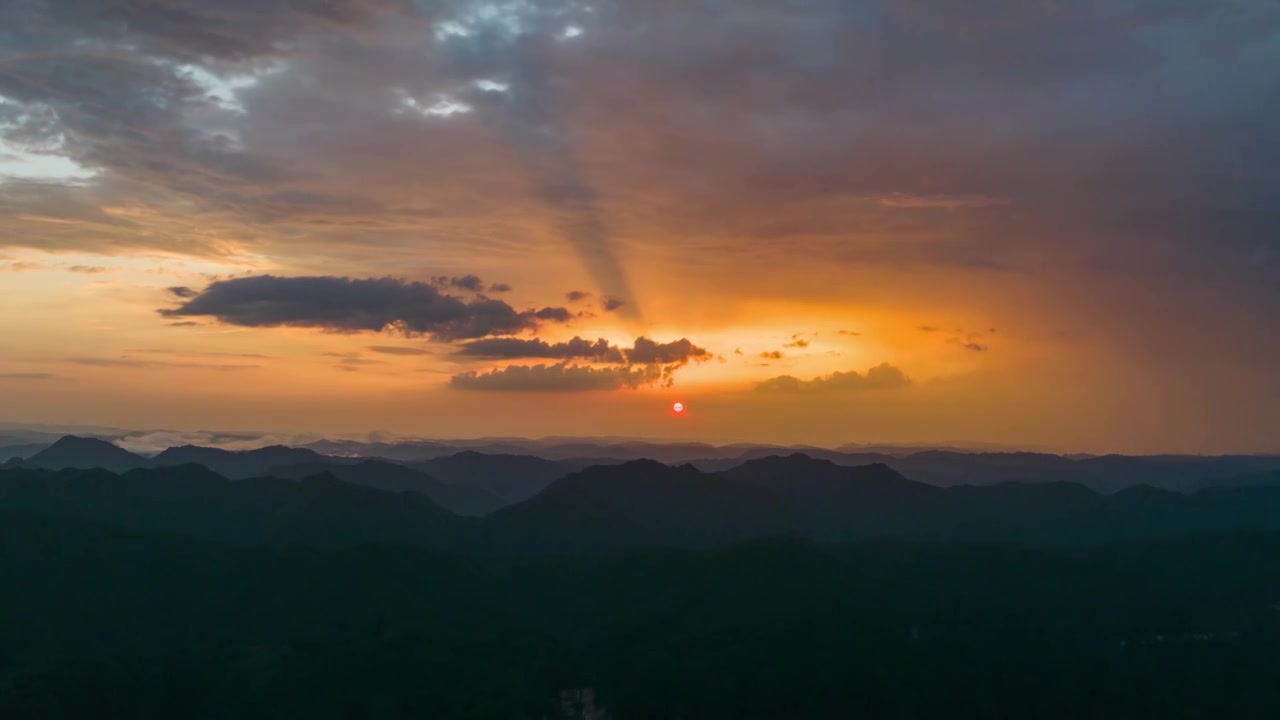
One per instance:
(944, 202)
(397, 350)
(969, 344)
(848, 332)
(120, 93)
(680, 351)
(128, 362)
(258, 356)
(511, 348)
(561, 377)
(646, 362)
(772, 355)
(880, 377)
(183, 113)
(577, 295)
(464, 282)
(27, 376)
(471, 283)
(352, 364)
(352, 305)
(352, 360)
(612, 304)
(155, 441)
(928, 329)
(22, 267)
(180, 291)
(969, 341)
(642, 352)
(558, 314)
(91, 269)
(193, 30)
(181, 353)
(797, 342)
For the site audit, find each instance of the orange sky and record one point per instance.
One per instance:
(1025, 236)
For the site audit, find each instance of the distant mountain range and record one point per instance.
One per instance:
(460, 498)
(512, 471)
(466, 483)
(644, 503)
(85, 453)
(236, 465)
(635, 504)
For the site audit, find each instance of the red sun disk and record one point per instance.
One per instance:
(678, 407)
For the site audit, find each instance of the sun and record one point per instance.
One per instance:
(678, 408)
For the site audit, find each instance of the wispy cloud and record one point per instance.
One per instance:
(136, 363)
(942, 202)
(880, 377)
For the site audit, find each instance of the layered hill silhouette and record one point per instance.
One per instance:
(20, 452)
(85, 453)
(646, 503)
(242, 464)
(460, 498)
(784, 586)
(191, 500)
(511, 477)
(466, 482)
(638, 504)
(1105, 474)
(514, 472)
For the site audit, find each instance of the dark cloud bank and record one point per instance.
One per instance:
(354, 305)
(643, 351)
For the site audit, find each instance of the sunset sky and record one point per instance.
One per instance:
(1041, 223)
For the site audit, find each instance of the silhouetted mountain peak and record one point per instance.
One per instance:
(793, 463)
(798, 466)
(645, 464)
(71, 451)
(392, 477)
(512, 478)
(75, 443)
(238, 464)
(179, 453)
(629, 472)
